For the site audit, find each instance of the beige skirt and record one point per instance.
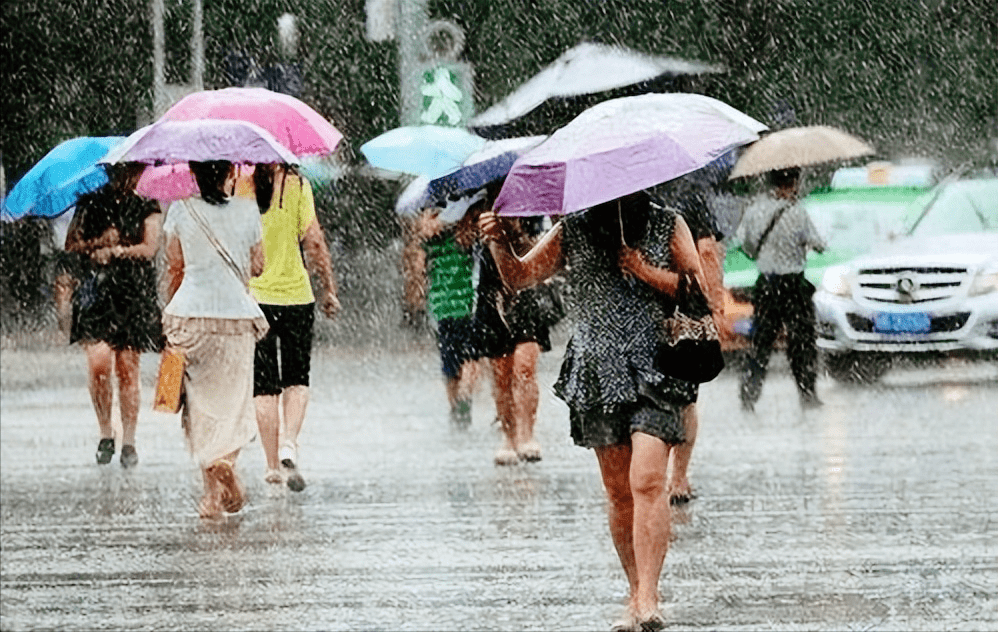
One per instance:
(218, 415)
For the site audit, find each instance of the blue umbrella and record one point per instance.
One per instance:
(423, 150)
(492, 162)
(57, 180)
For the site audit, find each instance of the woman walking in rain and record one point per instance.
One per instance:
(116, 313)
(619, 404)
(284, 292)
(213, 247)
(509, 331)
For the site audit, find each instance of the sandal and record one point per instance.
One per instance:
(105, 451)
(530, 452)
(682, 498)
(651, 621)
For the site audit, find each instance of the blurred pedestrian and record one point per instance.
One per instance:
(67, 271)
(213, 247)
(447, 236)
(619, 404)
(777, 233)
(292, 237)
(511, 332)
(689, 196)
(116, 310)
(413, 268)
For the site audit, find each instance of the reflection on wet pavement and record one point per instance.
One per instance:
(874, 512)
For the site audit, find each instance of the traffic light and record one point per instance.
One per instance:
(446, 88)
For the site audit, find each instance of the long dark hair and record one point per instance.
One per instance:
(210, 176)
(263, 182)
(627, 215)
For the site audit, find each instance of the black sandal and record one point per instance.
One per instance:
(105, 451)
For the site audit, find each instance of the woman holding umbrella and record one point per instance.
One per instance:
(619, 404)
(213, 247)
(116, 314)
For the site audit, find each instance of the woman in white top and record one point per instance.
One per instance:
(212, 317)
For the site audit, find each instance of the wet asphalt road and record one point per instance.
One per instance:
(874, 512)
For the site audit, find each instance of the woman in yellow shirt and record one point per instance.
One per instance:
(284, 292)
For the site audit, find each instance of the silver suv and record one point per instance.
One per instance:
(933, 291)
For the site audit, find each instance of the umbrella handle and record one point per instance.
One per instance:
(620, 218)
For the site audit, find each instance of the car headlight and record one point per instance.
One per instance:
(836, 281)
(985, 282)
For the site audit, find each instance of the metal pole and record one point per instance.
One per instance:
(197, 46)
(157, 10)
(411, 22)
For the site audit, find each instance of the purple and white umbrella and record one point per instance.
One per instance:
(174, 142)
(621, 146)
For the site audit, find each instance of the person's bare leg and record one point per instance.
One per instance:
(268, 422)
(649, 458)
(502, 386)
(452, 384)
(62, 293)
(615, 467)
(294, 402)
(679, 484)
(100, 364)
(129, 392)
(470, 372)
(210, 506)
(526, 396)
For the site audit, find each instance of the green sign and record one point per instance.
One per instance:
(447, 97)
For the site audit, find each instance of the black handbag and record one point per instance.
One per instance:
(547, 298)
(689, 346)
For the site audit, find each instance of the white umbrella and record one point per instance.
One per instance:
(798, 147)
(586, 69)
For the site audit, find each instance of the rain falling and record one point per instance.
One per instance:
(396, 345)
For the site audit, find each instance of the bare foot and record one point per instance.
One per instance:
(231, 497)
(209, 508)
(506, 455)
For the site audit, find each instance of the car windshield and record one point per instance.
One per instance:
(968, 206)
(855, 220)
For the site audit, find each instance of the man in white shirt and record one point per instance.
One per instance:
(778, 234)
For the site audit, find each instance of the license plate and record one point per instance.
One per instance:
(912, 323)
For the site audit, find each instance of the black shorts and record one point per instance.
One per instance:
(291, 333)
(456, 339)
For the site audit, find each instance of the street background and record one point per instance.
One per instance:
(875, 512)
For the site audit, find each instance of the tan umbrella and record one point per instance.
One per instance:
(798, 147)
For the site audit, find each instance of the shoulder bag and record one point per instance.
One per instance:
(689, 345)
(753, 251)
(170, 379)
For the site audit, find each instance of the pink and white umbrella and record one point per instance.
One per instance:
(293, 123)
(168, 183)
(621, 146)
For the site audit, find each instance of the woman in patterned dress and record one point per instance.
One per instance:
(619, 404)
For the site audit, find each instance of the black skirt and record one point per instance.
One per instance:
(119, 304)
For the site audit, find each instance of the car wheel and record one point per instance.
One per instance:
(857, 368)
